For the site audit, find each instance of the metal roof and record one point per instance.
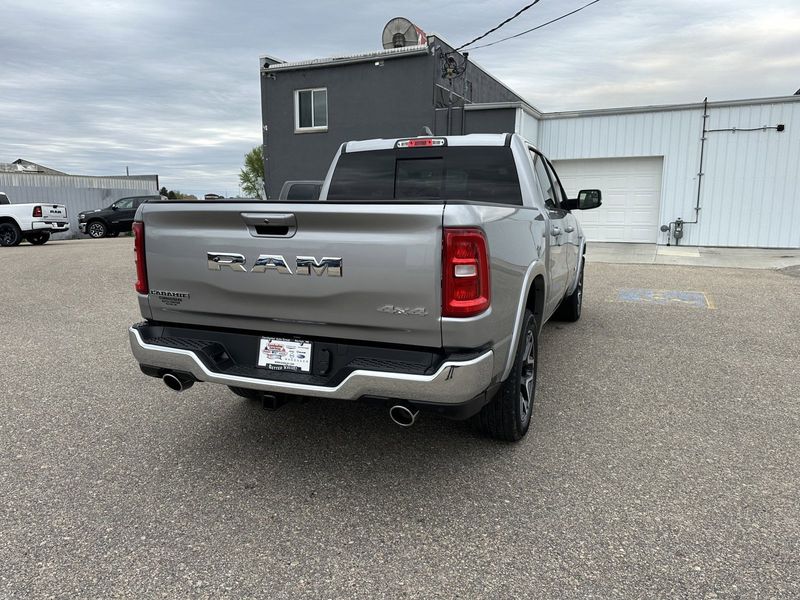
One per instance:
(30, 165)
(531, 110)
(267, 65)
(667, 107)
(630, 109)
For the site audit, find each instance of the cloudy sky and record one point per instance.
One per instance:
(172, 87)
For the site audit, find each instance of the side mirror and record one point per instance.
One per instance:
(114, 207)
(588, 199)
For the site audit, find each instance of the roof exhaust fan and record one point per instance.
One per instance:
(400, 32)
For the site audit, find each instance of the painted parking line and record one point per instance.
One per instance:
(664, 297)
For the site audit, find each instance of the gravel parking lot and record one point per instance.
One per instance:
(663, 460)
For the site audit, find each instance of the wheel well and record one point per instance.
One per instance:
(11, 220)
(536, 299)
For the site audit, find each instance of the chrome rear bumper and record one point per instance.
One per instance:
(455, 382)
(54, 226)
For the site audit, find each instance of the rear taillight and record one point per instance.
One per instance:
(465, 273)
(138, 250)
(37, 211)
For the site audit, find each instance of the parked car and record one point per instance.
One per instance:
(300, 190)
(112, 220)
(421, 278)
(31, 222)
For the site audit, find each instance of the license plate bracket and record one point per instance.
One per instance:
(278, 354)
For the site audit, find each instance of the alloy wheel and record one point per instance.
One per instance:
(7, 235)
(96, 230)
(527, 382)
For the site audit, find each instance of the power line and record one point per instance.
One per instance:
(511, 18)
(511, 37)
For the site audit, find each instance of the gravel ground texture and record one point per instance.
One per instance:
(663, 460)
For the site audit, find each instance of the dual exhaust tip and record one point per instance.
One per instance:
(400, 414)
(403, 415)
(177, 381)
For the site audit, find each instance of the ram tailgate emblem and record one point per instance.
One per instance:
(304, 265)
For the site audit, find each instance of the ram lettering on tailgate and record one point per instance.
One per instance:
(304, 265)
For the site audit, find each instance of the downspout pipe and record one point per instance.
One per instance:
(668, 228)
(702, 156)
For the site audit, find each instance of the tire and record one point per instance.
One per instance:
(507, 416)
(38, 238)
(10, 234)
(97, 229)
(570, 308)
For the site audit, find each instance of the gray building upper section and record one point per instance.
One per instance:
(390, 93)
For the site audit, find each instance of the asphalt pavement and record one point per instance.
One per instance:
(663, 460)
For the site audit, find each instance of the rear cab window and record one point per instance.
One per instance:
(485, 174)
(304, 191)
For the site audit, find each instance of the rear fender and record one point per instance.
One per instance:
(535, 269)
(10, 220)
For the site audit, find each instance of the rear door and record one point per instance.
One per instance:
(350, 271)
(570, 238)
(558, 252)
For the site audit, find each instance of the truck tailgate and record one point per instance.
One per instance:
(201, 259)
(54, 212)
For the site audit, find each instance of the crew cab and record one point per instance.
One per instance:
(31, 222)
(112, 220)
(300, 190)
(420, 279)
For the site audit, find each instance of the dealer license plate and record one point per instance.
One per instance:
(284, 355)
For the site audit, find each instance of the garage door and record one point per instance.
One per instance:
(631, 196)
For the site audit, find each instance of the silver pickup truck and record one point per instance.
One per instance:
(420, 279)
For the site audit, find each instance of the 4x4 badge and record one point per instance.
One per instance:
(419, 311)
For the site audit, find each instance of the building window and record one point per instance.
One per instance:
(311, 110)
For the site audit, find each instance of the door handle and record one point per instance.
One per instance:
(269, 219)
(569, 229)
(270, 224)
(555, 230)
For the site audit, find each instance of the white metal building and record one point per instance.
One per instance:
(77, 192)
(646, 161)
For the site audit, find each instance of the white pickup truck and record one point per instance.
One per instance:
(31, 222)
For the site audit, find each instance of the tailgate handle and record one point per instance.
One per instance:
(270, 224)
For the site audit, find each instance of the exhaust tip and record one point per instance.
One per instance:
(403, 415)
(177, 382)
